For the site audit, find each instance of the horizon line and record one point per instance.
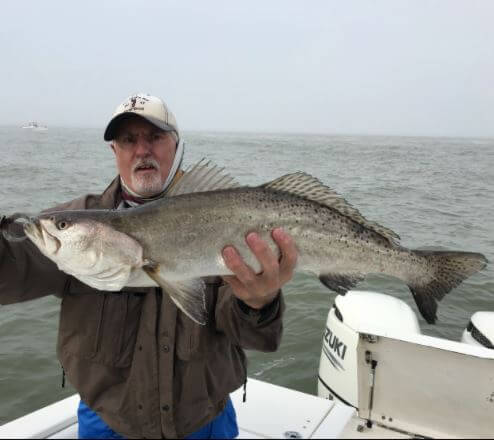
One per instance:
(280, 132)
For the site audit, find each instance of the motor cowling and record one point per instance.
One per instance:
(352, 314)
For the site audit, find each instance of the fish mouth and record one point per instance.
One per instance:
(39, 235)
(33, 228)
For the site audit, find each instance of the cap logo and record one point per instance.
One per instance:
(135, 103)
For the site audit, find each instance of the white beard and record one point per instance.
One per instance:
(147, 185)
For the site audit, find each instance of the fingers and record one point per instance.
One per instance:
(272, 267)
(237, 286)
(288, 260)
(258, 289)
(236, 264)
(268, 260)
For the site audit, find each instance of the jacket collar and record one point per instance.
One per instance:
(112, 195)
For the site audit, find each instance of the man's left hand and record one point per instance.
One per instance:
(258, 290)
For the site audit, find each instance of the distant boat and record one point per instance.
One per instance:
(35, 126)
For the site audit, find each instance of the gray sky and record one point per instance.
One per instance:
(360, 67)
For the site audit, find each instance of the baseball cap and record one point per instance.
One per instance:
(149, 107)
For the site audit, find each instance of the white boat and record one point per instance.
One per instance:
(35, 126)
(379, 377)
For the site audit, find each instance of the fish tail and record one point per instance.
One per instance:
(449, 269)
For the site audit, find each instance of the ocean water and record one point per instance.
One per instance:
(434, 192)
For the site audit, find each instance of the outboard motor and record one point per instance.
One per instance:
(375, 359)
(354, 313)
(480, 330)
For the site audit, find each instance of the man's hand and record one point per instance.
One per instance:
(258, 290)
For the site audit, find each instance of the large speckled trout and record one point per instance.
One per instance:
(176, 240)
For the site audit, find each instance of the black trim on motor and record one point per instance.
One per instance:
(338, 313)
(479, 336)
(335, 394)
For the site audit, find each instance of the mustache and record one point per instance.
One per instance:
(145, 163)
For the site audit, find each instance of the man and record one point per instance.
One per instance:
(143, 368)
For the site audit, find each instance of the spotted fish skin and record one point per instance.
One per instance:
(181, 238)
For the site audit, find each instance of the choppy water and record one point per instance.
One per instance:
(434, 192)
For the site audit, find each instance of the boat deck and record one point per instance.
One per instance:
(270, 411)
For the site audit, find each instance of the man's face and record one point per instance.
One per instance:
(144, 155)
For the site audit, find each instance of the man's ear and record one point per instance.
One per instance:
(112, 146)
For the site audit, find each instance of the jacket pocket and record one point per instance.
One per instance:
(187, 337)
(193, 340)
(98, 325)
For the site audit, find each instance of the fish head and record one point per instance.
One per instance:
(86, 247)
(59, 235)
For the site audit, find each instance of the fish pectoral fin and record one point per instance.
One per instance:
(340, 283)
(188, 295)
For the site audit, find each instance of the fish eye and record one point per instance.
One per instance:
(61, 225)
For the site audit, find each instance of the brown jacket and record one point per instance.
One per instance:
(147, 369)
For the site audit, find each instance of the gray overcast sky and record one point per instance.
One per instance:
(363, 67)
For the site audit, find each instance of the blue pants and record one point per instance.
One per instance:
(223, 426)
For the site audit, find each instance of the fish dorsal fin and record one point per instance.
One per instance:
(201, 177)
(306, 186)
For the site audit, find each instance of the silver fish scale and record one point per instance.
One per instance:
(188, 232)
